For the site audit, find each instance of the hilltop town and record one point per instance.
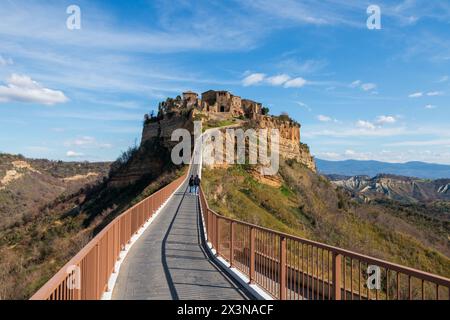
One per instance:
(218, 108)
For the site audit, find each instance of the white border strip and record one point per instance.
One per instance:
(243, 280)
(107, 295)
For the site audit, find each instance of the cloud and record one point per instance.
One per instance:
(304, 105)
(416, 95)
(435, 93)
(73, 154)
(323, 118)
(430, 94)
(368, 86)
(278, 80)
(5, 61)
(365, 125)
(295, 83)
(299, 66)
(443, 79)
(350, 152)
(363, 86)
(430, 106)
(329, 155)
(355, 84)
(381, 120)
(87, 142)
(21, 88)
(253, 79)
(420, 143)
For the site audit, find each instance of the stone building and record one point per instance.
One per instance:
(222, 102)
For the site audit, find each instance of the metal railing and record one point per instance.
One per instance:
(289, 267)
(86, 276)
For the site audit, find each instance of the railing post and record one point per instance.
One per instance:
(217, 234)
(231, 243)
(282, 266)
(252, 255)
(97, 270)
(337, 260)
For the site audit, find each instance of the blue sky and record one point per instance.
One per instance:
(358, 93)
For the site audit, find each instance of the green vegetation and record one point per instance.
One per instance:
(217, 123)
(307, 205)
(37, 245)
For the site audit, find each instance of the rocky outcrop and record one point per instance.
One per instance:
(163, 128)
(181, 112)
(290, 146)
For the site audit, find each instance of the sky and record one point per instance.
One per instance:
(358, 93)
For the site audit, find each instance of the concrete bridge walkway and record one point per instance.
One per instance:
(169, 261)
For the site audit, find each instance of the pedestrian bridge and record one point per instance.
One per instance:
(173, 246)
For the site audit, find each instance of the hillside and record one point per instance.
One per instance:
(372, 168)
(300, 202)
(35, 247)
(26, 185)
(404, 189)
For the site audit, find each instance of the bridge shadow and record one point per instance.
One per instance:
(167, 274)
(188, 262)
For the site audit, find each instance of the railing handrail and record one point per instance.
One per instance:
(392, 266)
(55, 281)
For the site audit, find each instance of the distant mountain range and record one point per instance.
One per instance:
(372, 168)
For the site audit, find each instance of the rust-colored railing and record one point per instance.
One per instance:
(86, 276)
(289, 267)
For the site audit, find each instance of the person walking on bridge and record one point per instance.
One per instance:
(196, 185)
(191, 184)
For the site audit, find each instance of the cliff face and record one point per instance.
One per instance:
(290, 146)
(163, 128)
(181, 113)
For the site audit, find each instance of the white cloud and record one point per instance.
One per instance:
(329, 155)
(365, 125)
(73, 154)
(368, 86)
(278, 80)
(443, 79)
(355, 84)
(21, 88)
(350, 152)
(435, 93)
(386, 120)
(323, 118)
(430, 106)
(300, 66)
(304, 105)
(363, 86)
(87, 142)
(295, 83)
(5, 61)
(420, 143)
(416, 95)
(253, 79)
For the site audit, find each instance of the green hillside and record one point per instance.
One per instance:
(305, 204)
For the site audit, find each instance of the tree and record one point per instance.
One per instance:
(265, 111)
